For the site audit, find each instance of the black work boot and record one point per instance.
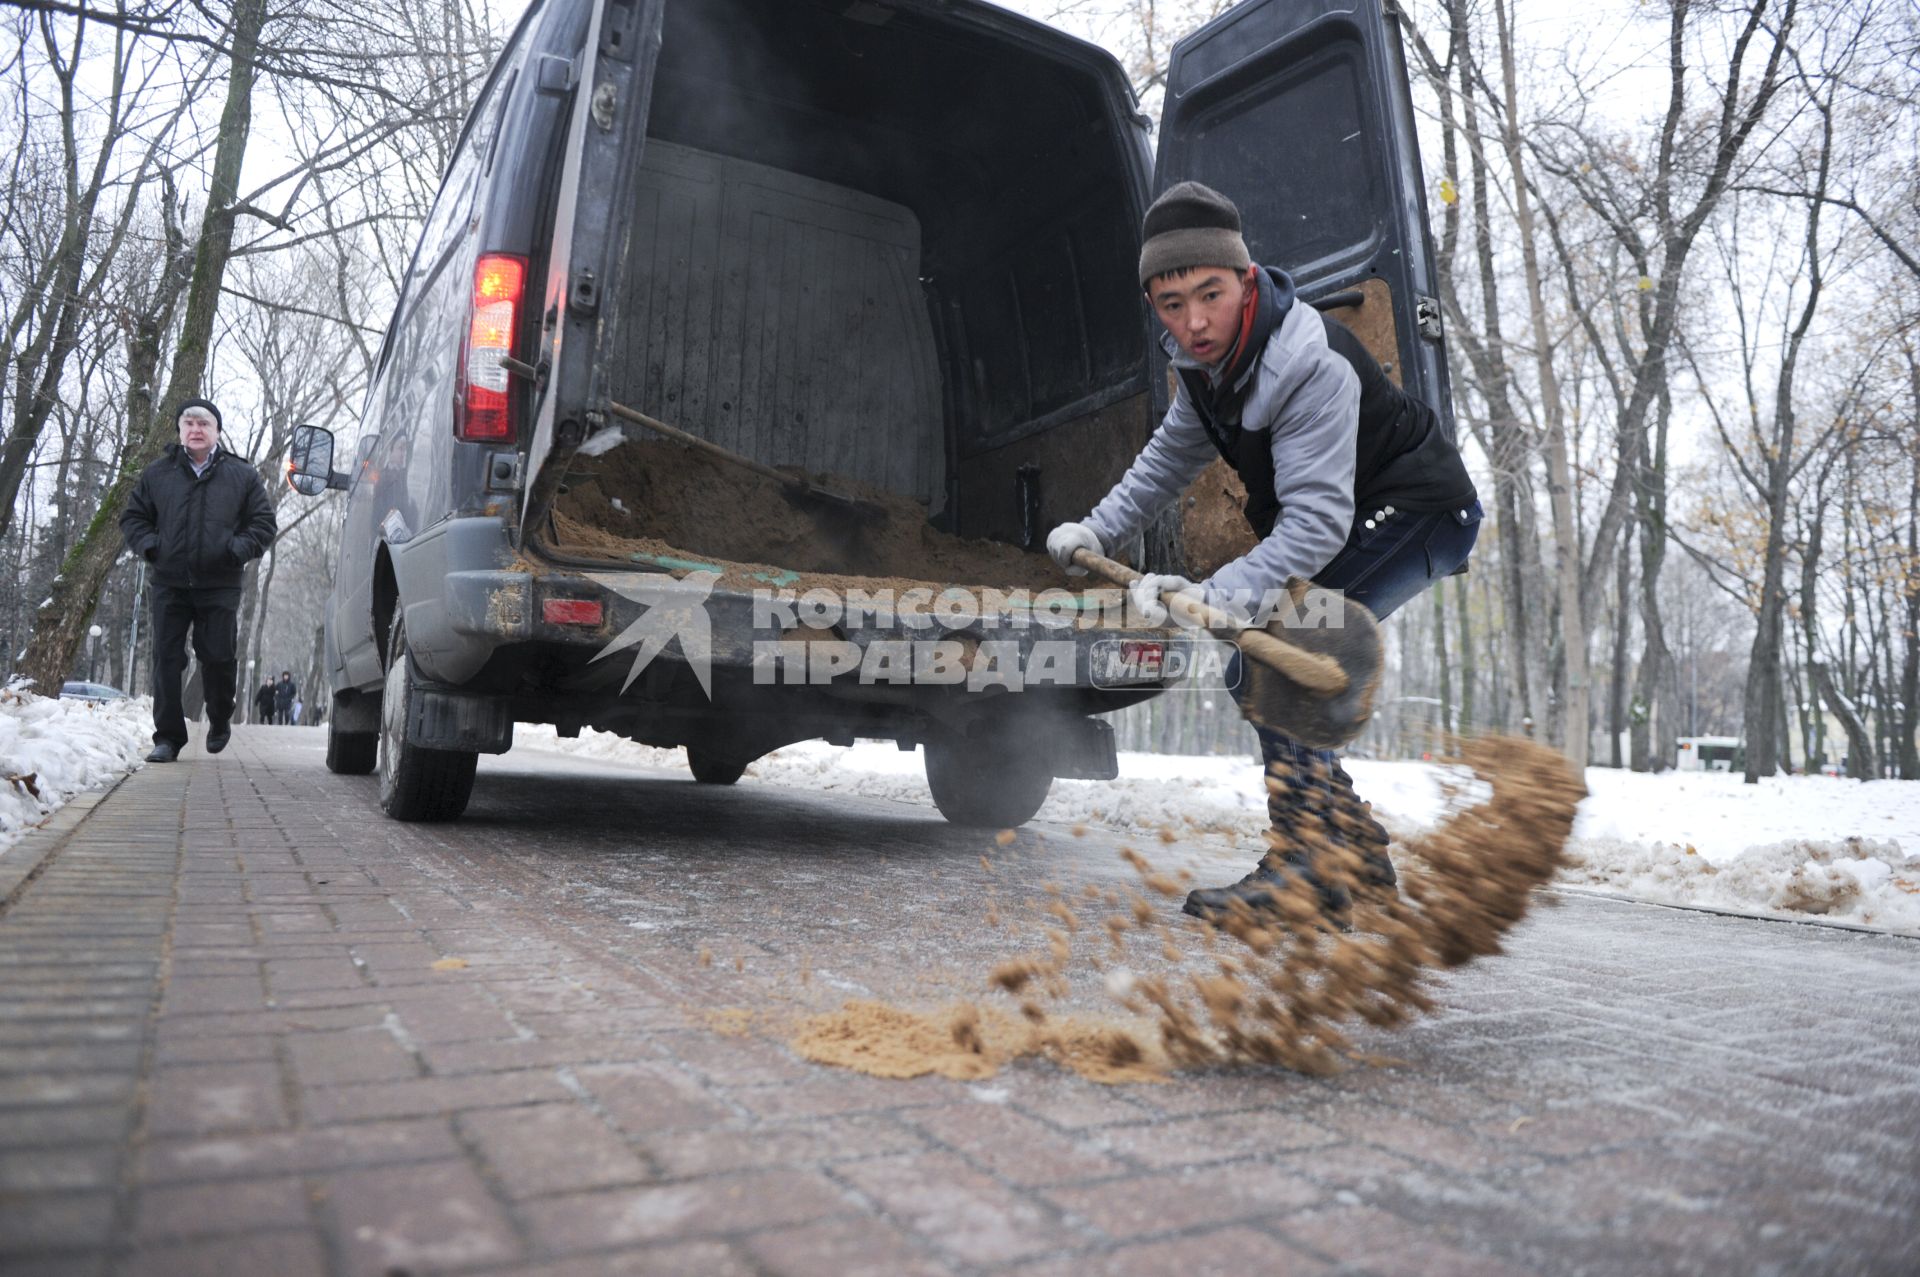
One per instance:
(1265, 894)
(1353, 824)
(1376, 874)
(164, 751)
(218, 734)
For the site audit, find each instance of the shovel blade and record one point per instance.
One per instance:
(1351, 637)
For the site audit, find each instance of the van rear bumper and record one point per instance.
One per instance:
(460, 616)
(567, 642)
(638, 617)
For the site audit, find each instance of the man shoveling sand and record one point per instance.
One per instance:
(1353, 484)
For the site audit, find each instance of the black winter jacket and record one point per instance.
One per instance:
(198, 531)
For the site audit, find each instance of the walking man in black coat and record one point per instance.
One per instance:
(196, 516)
(284, 694)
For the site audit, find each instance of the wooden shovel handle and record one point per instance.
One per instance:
(1316, 673)
(695, 442)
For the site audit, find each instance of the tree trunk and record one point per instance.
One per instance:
(1511, 449)
(59, 626)
(1573, 631)
(1447, 726)
(1764, 706)
(1653, 682)
(254, 623)
(1617, 677)
(1468, 724)
(1764, 701)
(1863, 763)
(1908, 751)
(1498, 665)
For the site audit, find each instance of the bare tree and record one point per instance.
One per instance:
(62, 621)
(1502, 432)
(66, 277)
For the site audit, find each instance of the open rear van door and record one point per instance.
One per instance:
(606, 132)
(1300, 112)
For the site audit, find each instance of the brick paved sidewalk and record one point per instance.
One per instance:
(231, 1041)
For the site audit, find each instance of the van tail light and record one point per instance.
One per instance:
(484, 411)
(570, 611)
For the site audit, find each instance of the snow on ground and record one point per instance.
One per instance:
(52, 749)
(1847, 850)
(1794, 846)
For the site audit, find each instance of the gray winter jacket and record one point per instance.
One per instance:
(1310, 397)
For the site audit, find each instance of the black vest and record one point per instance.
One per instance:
(1402, 457)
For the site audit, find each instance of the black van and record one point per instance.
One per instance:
(891, 242)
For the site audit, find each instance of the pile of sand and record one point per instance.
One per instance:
(1251, 991)
(659, 498)
(968, 1042)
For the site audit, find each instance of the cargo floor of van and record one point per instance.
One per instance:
(656, 502)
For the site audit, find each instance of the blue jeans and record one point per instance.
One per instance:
(1383, 566)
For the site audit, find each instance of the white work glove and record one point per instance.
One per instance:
(1143, 596)
(1068, 537)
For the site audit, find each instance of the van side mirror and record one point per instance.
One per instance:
(310, 462)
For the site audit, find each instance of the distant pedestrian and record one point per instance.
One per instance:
(197, 514)
(263, 703)
(284, 693)
(298, 707)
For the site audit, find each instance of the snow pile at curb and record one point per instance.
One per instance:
(1869, 884)
(52, 749)
(1806, 847)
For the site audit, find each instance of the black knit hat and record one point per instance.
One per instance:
(197, 403)
(1191, 225)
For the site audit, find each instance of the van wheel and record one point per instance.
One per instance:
(351, 753)
(416, 783)
(710, 769)
(985, 784)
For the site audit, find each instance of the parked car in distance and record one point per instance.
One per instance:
(96, 692)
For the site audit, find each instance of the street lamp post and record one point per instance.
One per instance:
(93, 644)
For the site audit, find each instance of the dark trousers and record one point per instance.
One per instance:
(1383, 567)
(213, 617)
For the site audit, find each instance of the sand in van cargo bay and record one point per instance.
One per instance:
(680, 503)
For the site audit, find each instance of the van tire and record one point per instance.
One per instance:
(710, 769)
(981, 786)
(351, 753)
(416, 783)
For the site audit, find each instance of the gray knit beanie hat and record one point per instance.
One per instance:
(1191, 225)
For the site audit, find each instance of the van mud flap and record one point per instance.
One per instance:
(441, 719)
(1083, 749)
